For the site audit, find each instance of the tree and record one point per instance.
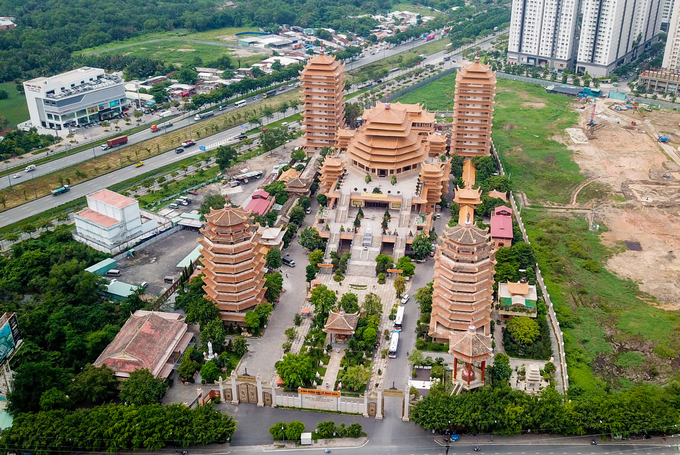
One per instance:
(354, 430)
(31, 380)
(201, 311)
(383, 262)
(225, 156)
(94, 386)
(210, 372)
(326, 429)
(323, 299)
(298, 155)
(424, 298)
(54, 399)
(290, 333)
(349, 302)
(294, 430)
(406, 265)
(310, 239)
(523, 329)
(274, 283)
(501, 370)
(353, 111)
(142, 388)
(273, 137)
(296, 370)
(240, 346)
(421, 246)
(370, 335)
(186, 76)
(297, 215)
(310, 273)
(278, 191)
(316, 257)
(416, 358)
(372, 304)
(400, 285)
(187, 368)
(322, 199)
(273, 258)
(355, 378)
(252, 320)
(213, 200)
(278, 431)
(214, 332)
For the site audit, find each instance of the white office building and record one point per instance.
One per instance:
(78, 97)
(616, 32)
(112, 222)
(543, 32)
(667, 11)
(670, 55)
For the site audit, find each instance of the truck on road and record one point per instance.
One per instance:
(269, 94)
(61, 190)
(203, 115)
(114, 142)
(157, 128)
(429, 37)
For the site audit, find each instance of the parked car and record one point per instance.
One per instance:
(405, 298)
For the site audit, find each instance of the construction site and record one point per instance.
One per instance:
(629, 155)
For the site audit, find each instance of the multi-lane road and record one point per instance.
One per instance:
(38, 206)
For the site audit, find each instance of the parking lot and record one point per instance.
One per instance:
(158, 260)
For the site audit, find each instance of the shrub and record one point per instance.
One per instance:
(381, 278)
(592, 266)
(354, 430)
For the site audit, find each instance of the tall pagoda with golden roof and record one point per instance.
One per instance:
(323, 89)
(233, 263)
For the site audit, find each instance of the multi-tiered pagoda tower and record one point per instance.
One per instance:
(323, 89)
(465, 260)
(233, 263)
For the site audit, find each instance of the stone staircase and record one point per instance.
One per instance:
(399, 248)
(362, 261)
(332, 245)
(405, 212)
(343, 208)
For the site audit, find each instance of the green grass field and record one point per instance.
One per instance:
(184, 53)
(218, 36)
(526, 120)
(14, 108)
(613, 336)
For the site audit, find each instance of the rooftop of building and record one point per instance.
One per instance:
(112, 199)
(97, 218)
(476, 72)
(75, 81)
(341, 322)
(470, 345)
(227, 216)
(146, 340)
(120, 289)
(259, 205)
(501, 227)
(466, 234)
(525, 290)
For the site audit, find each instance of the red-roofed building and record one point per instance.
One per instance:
(149, 340)
(112, 222)
(260, 202)
(501, 227)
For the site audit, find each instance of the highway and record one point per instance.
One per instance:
(37, 206)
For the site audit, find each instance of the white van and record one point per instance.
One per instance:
(30, 168)
(113, 272)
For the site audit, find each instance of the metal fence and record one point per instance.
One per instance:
(552, 317)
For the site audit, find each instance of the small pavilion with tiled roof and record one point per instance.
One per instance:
(470, 347)
(340, 326)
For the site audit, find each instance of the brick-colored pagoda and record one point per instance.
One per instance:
(323, 89)
(464, 262)
(233, 263)
(473, 110)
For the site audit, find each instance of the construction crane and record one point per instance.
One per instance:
(592, 115)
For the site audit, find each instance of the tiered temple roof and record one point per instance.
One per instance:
(323, 88)
(330, 170)
(473, 110)
(233, 263)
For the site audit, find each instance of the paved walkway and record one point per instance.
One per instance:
(332, 370)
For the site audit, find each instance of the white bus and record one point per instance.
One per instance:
(240, 103)
(394, 344)
(399, 319)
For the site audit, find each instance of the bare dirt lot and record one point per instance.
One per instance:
(644, 199)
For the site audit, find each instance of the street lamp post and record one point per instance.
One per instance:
(9, 178)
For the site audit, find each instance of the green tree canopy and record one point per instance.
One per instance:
(31, 380)
(225, 157)
(406, 265)
(372, 304)
(400, 285)
(294, 430)
(383, 262)
(424, 298)
(214, 200)
(274, 283)
(310, 239)
(54, 399)
(214, 332)
(421, 246)
(210, 372)
(355, 378)
(273, 258)
(501, 370)
(93, 386)
(296, 370)
(523, 329)
(323, 299)
(349, 302)
(142, 388)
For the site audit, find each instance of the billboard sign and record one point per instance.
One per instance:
(10, 336)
